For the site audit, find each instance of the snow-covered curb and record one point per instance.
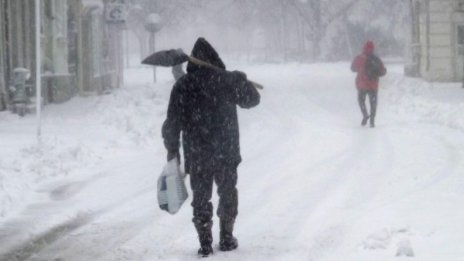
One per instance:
(429, 103)
(130, 116)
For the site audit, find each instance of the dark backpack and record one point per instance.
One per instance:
(374, 68)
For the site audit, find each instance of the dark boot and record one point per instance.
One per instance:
(372, 122)
(205, 237)
(205, 251)
(227, 241)
(364, 120)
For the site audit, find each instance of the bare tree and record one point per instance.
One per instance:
(280, 30)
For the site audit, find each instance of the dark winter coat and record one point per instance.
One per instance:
(203, 106)
(363, 81)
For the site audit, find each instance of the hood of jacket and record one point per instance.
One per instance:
(368, 48)
(203, 50)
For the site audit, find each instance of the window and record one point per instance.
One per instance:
(460, 34)
(460, 39)
(460, 6)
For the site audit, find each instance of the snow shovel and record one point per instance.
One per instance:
(174, 57)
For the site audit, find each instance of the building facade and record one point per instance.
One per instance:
(75, 43)
(16, 39)
(437, 45)
(3, 89)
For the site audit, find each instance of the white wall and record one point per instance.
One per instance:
(438, 48)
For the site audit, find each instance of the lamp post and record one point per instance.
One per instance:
(153, 25)
(38, 63)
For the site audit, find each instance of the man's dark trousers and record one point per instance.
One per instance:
(372, 100)
(201, 181)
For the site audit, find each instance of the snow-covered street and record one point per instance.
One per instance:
(313, 184)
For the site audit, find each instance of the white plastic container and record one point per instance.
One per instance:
(172, 191)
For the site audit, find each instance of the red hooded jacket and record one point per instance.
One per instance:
(359, 65)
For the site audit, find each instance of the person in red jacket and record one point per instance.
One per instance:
(369, 69)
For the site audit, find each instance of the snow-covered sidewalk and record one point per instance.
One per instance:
(314, 185)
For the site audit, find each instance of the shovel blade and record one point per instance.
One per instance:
(166, 58)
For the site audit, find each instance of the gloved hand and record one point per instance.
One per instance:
(174, 154)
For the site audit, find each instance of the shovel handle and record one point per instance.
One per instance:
(256, 85)
(203, 63)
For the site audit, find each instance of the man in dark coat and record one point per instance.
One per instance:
(203, 106)
(369, 68)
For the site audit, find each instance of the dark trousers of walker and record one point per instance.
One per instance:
(372, 101)
(201, 182)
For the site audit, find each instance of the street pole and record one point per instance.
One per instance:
(152, 25)
(127, 48)
(152, 50)
(347, 37)
(120, 54)
(38, 69)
